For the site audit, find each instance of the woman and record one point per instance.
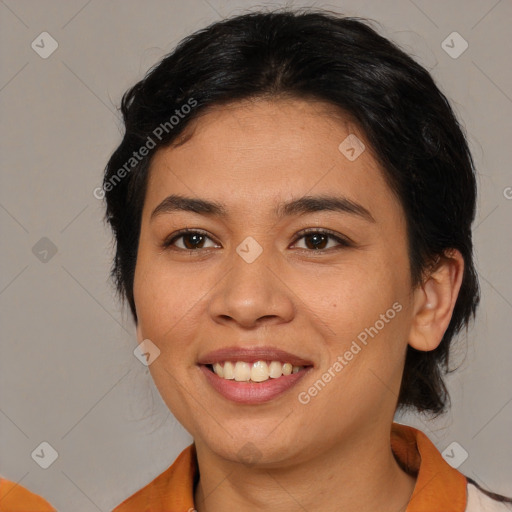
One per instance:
(292, 205)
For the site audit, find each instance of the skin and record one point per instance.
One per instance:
(332, 453)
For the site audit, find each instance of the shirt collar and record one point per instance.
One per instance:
(438, 485)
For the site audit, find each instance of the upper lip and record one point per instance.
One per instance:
(251, 355)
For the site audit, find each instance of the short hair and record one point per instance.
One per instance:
(342, 61)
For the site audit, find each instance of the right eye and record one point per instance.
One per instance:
(191, 240)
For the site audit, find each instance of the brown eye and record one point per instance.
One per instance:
(319, 240)
(191, 240)
(316, 241)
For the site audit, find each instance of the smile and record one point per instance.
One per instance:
(252, 375)
(259, 371)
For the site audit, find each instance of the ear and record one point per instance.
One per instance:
(434, 301)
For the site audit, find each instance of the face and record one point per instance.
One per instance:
(324, 286)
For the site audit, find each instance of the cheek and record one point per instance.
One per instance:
(366, 310)
(354, 297)
(163, 297)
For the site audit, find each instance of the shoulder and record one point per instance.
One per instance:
(479, 501)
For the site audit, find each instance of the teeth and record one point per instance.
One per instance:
(228, 369)
(218, 369)
(275, 369)
(242, 371)
(259, 371)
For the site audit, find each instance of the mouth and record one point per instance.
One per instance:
(259, 371)
(252, 376)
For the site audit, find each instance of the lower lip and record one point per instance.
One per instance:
(252, 392)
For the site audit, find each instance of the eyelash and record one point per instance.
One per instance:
(343, 241)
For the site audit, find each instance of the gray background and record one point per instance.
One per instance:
(68, 375)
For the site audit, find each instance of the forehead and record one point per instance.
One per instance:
(295, 120)
(261, 150)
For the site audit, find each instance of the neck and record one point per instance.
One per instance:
(360, 474)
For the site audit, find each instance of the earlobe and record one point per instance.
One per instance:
(434, 301)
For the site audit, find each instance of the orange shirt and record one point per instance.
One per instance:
(439, 487)
(15, 498)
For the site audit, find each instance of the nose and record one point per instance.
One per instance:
(252, 294)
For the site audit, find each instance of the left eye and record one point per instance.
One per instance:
(317, 240)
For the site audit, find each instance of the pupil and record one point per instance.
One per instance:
(317, 236)
(195, 237)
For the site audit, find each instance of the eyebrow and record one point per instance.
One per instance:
(301, 206)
